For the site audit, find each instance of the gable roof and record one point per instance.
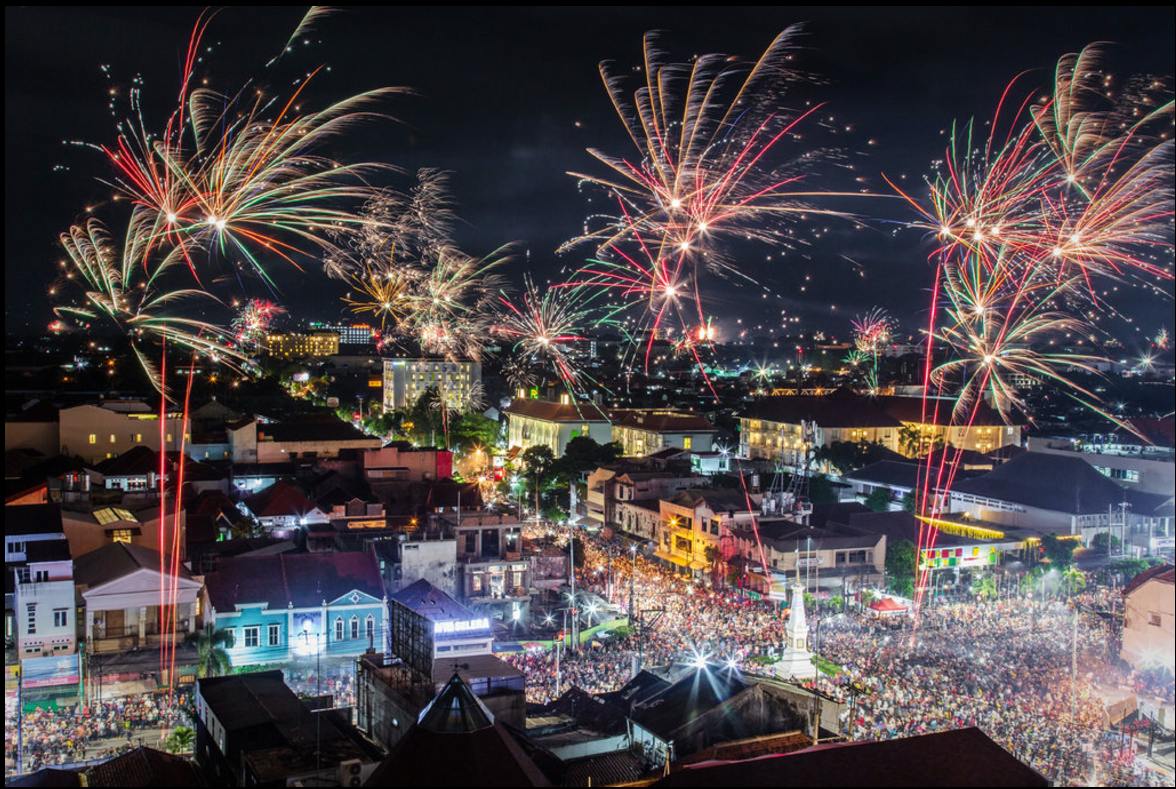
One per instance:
(279, 499)
(431, 603)
(32, 519)
(549, 411)
(137, 461)
(662, 421)
(301, 580)
(1164, 573)
(911, 410)
(835, 411)
(119, 559)
(1047, 481)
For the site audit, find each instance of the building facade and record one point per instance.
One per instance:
(407, 379)
(532, 422)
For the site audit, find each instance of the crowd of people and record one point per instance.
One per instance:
(86, 732)
(1004, 666)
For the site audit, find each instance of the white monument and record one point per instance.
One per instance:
(796, 661)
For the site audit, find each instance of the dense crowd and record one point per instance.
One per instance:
(1003, 666)
(90, 731)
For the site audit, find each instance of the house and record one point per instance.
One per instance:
(623, 481)
(286, 606)
(43, 604)
(495, 578)
(694, 521)
(90, 526)
(531, 422)
(98, 432)
(309, 437)
(120, 585)
(931, 422)
(283, 511)
(1149, 603)
(643, 432)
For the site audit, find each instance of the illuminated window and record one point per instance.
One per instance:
(113, 440)
(93, 438)
(686, 442)
(120, 535)
(138, 438)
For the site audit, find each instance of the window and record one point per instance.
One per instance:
(40, 576)
(60, 617)
(31, 611)
(93, 438)
(338, 628)
(355, 627)
(120, 535)
(686, 442)
(274, 632)
(138, 438)
(584, 429)
(369, 627)
(1153, 619)
(113, 439)
(252, 636)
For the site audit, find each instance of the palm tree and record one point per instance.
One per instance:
(212, 657)
(984, 588)
(181, 740)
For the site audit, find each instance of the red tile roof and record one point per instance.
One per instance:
(548, 411)
(302, 579)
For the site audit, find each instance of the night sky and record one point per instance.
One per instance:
(509, 99)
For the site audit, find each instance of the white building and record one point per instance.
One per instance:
(553, 424)
(407, 379)
(45, 610)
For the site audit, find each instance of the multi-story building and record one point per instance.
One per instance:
(46, 625)
(98, 432)
(929, 423)
(306, 437)
(349, 333)
(643, 432)
(300, 345)
(533, 422)
(609, 487)
(494, 576)
(695, 520)
(407, 379)
(789, 427)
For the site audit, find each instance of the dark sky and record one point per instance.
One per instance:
(508, 99)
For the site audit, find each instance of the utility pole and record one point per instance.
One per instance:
(572, 572)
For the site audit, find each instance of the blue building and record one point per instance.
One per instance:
(292, 606)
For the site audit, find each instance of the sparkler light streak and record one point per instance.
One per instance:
(449, 306)
(871, 333)
(253, 322)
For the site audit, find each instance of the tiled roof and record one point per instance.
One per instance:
(137, 461)
(661, 421)
(548, 411)
(1164, 573)
(277, 500)
(911, 410)
(835, 411)
(302, 579)
(117, 560)
(431, 603)
(1049, 482)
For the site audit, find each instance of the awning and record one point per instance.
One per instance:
(669, 557)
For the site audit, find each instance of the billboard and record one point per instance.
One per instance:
(49, 671)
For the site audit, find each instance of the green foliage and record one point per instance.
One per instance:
(900, 567)
(1099, 543)
(867, 597)
(909, 503)
(879, 500)
(984, 588)
(181, 740)
(1128, 568)
(849, 456)
(212, 659)
(1073, 582)
(583, 454)
(914, 444)
(1059, 552)
(470, 431)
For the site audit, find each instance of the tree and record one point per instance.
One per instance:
(212, 658)
(879, 500)
(846, 457)
(1099, 543)
(910, 503)
(582, 454)
(1073, 582)
(538, 463)
(713, 557)
(181, 740)
(984, 588)
(1059, 552)
(900, 567)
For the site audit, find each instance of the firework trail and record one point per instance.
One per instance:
(252, 323)
(449, 307)
(712, 138)
(871, 333)
(543, 323)
(1029, 223)
(122, 289)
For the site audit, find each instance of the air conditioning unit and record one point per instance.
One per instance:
(350, 773)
